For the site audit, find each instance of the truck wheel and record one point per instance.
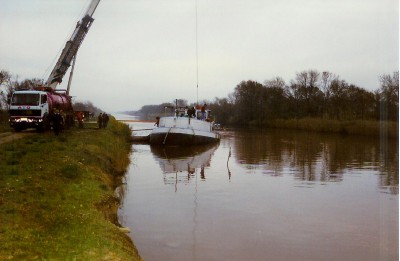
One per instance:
(40, 128)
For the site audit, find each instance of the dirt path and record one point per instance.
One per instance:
(11, 136)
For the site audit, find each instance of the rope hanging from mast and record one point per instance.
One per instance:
(197, 58)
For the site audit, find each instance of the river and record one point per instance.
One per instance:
(264, 195)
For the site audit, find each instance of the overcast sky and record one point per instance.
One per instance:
(141, 52)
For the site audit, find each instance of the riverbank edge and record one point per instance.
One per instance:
(59, 196)
(376, 129)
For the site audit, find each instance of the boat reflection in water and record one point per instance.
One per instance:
(181, 164)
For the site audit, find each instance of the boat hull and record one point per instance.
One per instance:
(183, 131)
(182, 137)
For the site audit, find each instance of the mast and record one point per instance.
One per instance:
(197, 60)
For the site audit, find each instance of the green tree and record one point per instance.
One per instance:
(222, 110)
(249, 104)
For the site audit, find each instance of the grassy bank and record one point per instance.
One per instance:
(356, 127)
(57, 195)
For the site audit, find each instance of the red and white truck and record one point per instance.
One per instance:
(33, 108)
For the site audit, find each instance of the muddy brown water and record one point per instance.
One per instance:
(265, 195)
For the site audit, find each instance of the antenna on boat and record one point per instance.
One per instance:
(197, 59)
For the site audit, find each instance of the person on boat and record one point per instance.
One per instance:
(203, 112)
(157, 121)
(202, 174)
(191, 112)
(186, 114)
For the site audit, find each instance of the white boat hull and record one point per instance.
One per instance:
(183, 131)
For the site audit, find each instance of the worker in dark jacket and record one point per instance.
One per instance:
(57, 121)
(100, 120)
(191, 112)
(106, 118)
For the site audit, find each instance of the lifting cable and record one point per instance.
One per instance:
(197, 57)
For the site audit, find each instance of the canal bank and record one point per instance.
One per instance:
(57, 195)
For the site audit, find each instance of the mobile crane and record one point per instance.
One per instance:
(33, 108)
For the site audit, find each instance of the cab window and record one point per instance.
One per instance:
(43, 98)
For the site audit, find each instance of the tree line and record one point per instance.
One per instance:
(311, 94)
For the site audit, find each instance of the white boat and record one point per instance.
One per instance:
(183, 130)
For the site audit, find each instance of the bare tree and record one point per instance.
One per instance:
(390, 85)
(326, 80)
(306, 88)
(29, 84)
(389, 96)
(7, 86)
(275, 82)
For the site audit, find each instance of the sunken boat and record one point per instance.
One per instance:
(185, 129)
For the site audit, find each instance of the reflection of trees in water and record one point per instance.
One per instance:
(389, 168)
(316, 157)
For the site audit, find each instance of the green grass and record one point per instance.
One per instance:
(5, 127)
(57, 195)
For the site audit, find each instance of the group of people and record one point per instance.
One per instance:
(191, 113)
(57, 120)
(102, 120)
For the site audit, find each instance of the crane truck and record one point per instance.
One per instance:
(33, 108)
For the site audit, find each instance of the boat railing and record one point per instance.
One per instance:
(185, 123)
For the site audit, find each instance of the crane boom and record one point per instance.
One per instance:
(71, 47)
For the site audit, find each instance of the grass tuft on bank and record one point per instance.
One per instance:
(57, 195)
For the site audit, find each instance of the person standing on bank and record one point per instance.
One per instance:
(100, 120)
(57, 122)
(106, 118)
(79, 117)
